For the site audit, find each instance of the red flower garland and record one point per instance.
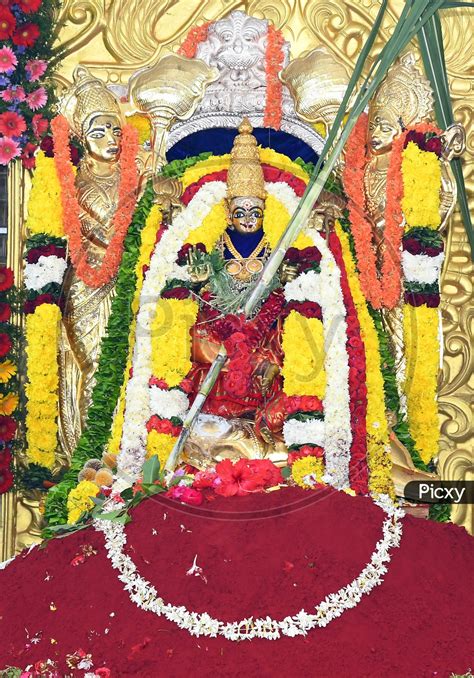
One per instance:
(195, 36)
(95, 277)
(381, 288)
(274, 58)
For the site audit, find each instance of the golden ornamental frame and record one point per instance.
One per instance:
(114, 38)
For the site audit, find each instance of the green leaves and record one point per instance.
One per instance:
(151, 470)
(430, 38)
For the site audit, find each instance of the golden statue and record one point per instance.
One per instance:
(94, 116)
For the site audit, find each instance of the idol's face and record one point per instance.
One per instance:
(103, 138)
(246, 214)
(382, 132)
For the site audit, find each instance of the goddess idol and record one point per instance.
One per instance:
(94, 118)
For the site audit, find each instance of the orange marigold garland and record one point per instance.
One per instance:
(195, 36)
(274, 58)
(95, 277)
(381, 288)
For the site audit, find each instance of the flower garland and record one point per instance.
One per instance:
(9, 381)
(274, 59)
(45, 190)
(111, 368)
(303, 346)
(378, 453)
(195, 36)
(324, 289)
(145, 596)
(95, 277)
(26, 103)
(381, 290)
(307, 472)
(42, 332)
(151, 233)
(79, 500)
(171, 339)
(421, 337)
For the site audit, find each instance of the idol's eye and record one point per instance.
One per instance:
(256, 213)
(96, 134)
(239, 214)
(117, 132)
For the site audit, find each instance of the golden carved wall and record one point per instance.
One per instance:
(115, 37)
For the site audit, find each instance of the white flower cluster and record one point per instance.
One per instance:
(145, 596)
(325, 289)
(304, 432)
(47, 270)
(421, 268)
(162, 268)
(167, 404)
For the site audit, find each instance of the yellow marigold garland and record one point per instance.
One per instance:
(148, 238)
(79, 500)
(378, 454)
(160, 445)
(42, 331)
(420, 326)
(275, 221)
(307, 466)
(421, 172)
(171, 339)
(303, 347)
(45, 191)
(8, 369)
(211, 228)
(142, 124)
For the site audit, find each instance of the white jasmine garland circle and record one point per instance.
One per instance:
(421, 268)
(167, 404)
(145, 596)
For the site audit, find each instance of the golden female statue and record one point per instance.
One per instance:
(94, 116)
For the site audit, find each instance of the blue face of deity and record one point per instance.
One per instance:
(246, 214)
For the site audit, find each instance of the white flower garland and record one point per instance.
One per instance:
(47, 270)
(324, 288)
(162, 268)
(145, 596)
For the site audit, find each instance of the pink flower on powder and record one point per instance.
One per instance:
(35, 68)
(8, 60)
(9, 149)
(37, 99)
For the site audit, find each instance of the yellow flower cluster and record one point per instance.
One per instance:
(147, 243)
(211, 228)
(378, 453)
(420, 326)
(275, 221)
(421, 187)
(171, 339)
(307, 466)
(7, 371)
(45, 191)
(79, 500)
(42, 332)
(160, 445)
(8, 404)
(303, 347)
(142, 124)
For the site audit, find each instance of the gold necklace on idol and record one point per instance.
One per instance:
(243, 268)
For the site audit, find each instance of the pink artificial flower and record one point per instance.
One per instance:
(14, 93)
(37, 99)
(8, 60)
(35, 68)
(9, 149)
